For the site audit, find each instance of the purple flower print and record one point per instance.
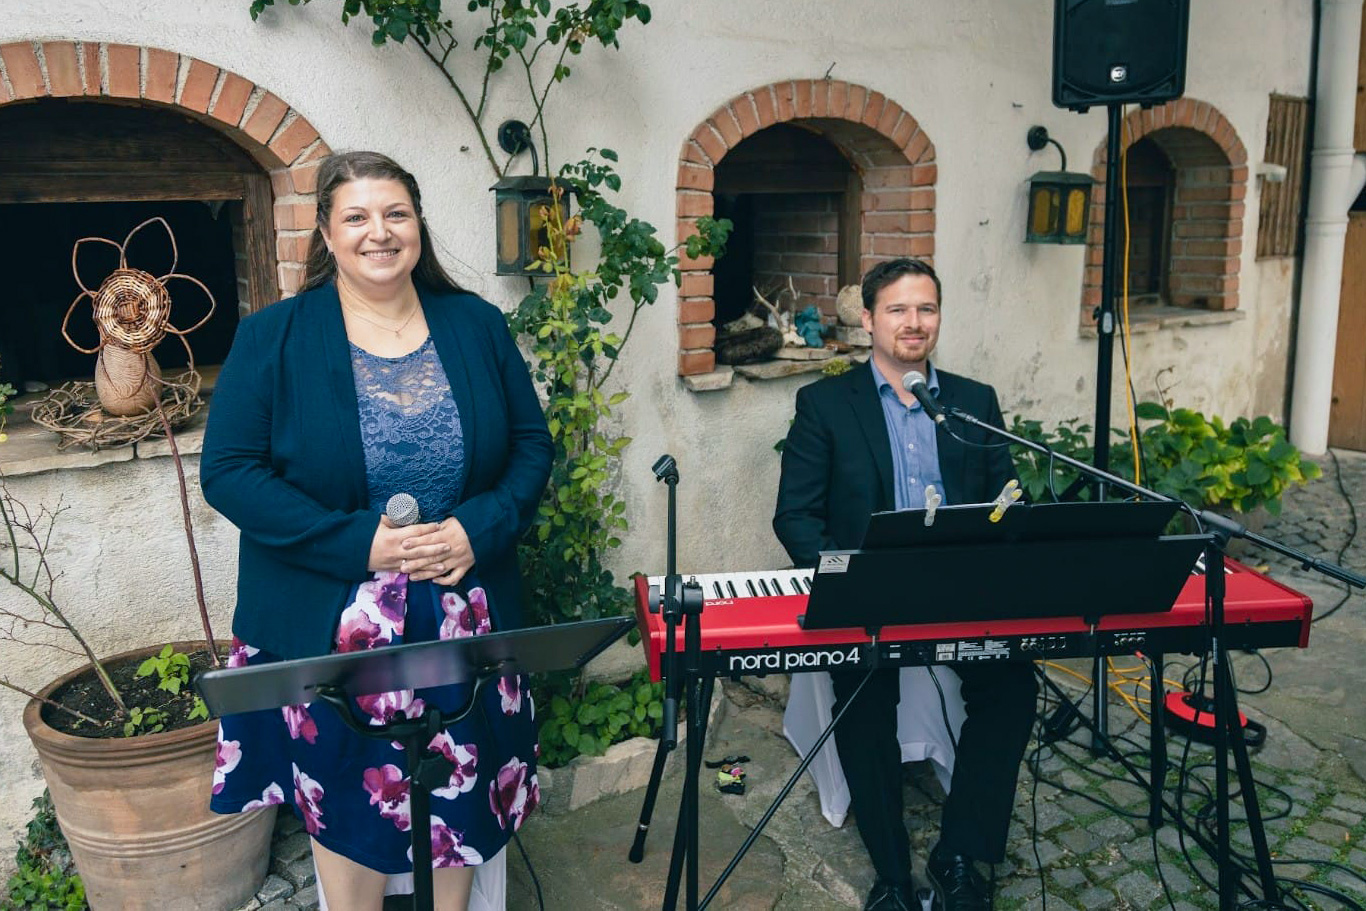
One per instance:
(465, 758)
(449, 848)
(239, 652)
(511, 795)
(383, 707)
(359, 630)
(307, 794)
(388, 790)
(271, 796)
(465, 618)
(301, 724)
(510, 688)
(229, 754)
(388, 593)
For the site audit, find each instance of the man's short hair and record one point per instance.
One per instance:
(885, 273)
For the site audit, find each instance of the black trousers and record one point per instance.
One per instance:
(999, 698)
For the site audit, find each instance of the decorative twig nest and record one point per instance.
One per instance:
(127, 401)
(73, 411)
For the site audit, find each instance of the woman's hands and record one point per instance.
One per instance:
(391, 548)
(439, 551)
(450, 566)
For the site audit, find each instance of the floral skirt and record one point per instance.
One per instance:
(352, 791)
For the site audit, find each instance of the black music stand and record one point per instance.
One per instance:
(977, 569)
(338, 679)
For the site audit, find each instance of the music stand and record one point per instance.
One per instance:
(338, 679)
(976, 569)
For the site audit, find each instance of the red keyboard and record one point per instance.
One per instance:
(749, 626)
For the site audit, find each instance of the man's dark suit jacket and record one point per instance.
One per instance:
(283, 462)
(837, 461)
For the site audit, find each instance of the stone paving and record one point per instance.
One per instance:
(1080, 839)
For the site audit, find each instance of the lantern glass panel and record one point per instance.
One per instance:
(508, 254)
(1075, 222)
(1044, 213)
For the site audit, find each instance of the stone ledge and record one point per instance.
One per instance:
(1153, 319)
(773, 370)
(720, 378)
(32, 450)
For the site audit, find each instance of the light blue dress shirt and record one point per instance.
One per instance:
(915, 450)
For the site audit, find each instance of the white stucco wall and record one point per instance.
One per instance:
(974, 73)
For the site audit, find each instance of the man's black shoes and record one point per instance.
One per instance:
(957, 884)
(890, 896)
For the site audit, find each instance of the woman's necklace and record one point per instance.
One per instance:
(356, 312)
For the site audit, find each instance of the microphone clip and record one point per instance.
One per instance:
(1005, 499)
(932, 501)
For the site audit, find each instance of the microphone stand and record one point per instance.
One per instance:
(1225, 692)
(665, 469)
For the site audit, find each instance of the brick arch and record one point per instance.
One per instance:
(1207, 217)
(882, 140)
(280, 139)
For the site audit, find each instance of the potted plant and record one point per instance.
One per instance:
(126, 748)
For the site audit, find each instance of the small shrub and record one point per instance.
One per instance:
(585, 720)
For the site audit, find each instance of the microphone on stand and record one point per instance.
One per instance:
(402, 509)
(914, 383)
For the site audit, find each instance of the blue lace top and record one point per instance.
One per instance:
(410, 430)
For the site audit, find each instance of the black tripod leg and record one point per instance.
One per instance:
(695, 743)
(1157, 740)
(686, 833)
(1100, 704)
(647, 808)
(1251, 804)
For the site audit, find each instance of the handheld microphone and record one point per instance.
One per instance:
(402, 509)
(914, 383)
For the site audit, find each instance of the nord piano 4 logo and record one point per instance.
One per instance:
(891, 654)
(807, 659)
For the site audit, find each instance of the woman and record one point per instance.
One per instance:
(381, 377)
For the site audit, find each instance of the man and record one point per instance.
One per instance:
(861, 444)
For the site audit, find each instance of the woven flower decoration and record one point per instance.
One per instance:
(132, 308)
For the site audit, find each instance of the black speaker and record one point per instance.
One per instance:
(1118, 51)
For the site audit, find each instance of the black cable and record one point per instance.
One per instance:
(949, 430)
(944, 710)
(1266, 664)
(1351, 536)
(1039, 716)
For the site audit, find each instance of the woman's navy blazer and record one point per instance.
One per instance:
(283, 462)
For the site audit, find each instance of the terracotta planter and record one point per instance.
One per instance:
(136, 813)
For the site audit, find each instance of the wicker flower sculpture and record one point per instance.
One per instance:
(132, 311)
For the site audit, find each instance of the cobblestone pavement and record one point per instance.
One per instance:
(1080, 838)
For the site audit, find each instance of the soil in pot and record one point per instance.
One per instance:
(86, 695)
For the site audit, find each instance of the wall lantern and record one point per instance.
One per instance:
(520, 207)
(1059, 201)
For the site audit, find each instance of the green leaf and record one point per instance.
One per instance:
(1150, 411)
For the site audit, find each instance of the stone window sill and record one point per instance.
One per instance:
(1152, 318)
(724, 375)
(31, 449)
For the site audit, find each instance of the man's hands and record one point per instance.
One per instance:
(430, 550)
